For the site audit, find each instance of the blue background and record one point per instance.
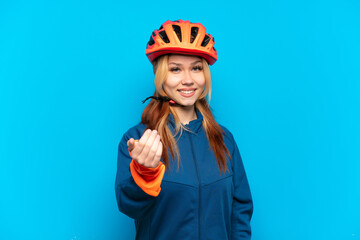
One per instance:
(73, 74)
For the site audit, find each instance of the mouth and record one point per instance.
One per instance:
(187, 92)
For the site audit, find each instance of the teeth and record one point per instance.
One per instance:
(187, 92)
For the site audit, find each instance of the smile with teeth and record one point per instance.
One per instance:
(186, 92)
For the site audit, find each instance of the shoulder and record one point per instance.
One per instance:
(229, 139)
(227, 133)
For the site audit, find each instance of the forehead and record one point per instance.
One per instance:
(177, 58)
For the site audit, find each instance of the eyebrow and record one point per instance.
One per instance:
(178, 64)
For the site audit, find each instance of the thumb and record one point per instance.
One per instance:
(131, 144)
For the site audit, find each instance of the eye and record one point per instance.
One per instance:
(175, 69)
(198, 68)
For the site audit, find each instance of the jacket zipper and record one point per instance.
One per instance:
(199, 183)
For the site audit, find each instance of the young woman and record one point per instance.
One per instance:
(179, 173)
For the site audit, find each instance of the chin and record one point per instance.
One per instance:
(187, 103)
(186, 100)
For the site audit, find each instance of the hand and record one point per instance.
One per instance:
(148, 150)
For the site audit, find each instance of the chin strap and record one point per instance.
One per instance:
(165, 99)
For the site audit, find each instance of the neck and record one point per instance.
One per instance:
(186, 114)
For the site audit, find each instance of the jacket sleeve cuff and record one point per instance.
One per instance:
(148, 179)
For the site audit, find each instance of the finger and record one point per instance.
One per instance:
(144, 137)
(146, 149)
(158, 155)
(141, 143)
(131, 144)
(153, 149)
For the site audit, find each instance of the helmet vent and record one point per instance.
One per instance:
(205, 41)
(194, 32)
(177, 30)
(151, 41)
(164, 37)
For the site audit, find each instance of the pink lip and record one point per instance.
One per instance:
(186, 89)
(187, 94)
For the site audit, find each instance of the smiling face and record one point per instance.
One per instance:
(185, 79)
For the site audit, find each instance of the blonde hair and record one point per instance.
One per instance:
(161, 69)
(155, 116)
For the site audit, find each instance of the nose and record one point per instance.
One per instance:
(187, 78)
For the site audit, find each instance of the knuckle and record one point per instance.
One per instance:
(141, 156)
(153, 151)
(147, 147)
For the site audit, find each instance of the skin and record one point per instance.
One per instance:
(185, 73)
(147, 151)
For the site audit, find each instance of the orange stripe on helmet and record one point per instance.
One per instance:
(181, 37)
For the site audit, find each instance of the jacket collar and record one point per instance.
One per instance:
(193, 125)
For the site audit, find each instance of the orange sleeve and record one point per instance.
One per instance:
(148, 179)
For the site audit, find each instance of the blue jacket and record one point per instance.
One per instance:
(195, 201)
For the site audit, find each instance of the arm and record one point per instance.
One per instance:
(131, 197)
(242, 207)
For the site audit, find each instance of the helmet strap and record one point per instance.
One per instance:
(164, 99)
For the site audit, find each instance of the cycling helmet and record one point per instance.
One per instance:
(182, 37)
